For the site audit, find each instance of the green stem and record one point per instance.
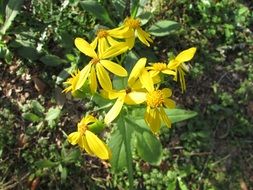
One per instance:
(128, 154)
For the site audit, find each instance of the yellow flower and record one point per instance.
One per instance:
(134, 29)
(88, 140)
(179, 67)
(72, 81)
(134, 92)
(98, 66)
(160, 67)
(106, 38)
(156, 100)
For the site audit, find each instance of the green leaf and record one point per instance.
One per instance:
(52, 60)
(37, 107)
(28, 53)
(71, 156)
(148, 146)
(119, 6)
(31, 117)
(181, 184)
(64, 74)
(99, 100)
(11, 11)
(95, 8)
(163, 28)
(118, 147)
(134, 7)
(145, 17)
(119, 83)
(45, 164)
(53, 114)
(130, 60)
(172, 184)
(177, 115)
(64, 173)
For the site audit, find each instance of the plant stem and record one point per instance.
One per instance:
(128, 154)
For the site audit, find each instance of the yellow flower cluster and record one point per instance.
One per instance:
(142, 84)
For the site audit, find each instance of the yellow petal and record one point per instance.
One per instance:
(135, 98)
(103, 77)
(147, 81)
(94, 43)
(74, 137)
(102, 45)
(186, 55)
(169, 103)
(88, 119)
(84, 145)
(166, 92)
(93, 80)
(169, 72)
(115, 110)
(112, 94)
(113, 51)
(136, 85)
(182, 79)
(173, 64)
(112, 41)
(152, 119)
(121, 32)
(84, 73)
(98, 147)
(130, 42)
(154, 73)
(156, 79)
(114, 68)
(85, 47)
(143, 36)
(136, 71)
(165, 118)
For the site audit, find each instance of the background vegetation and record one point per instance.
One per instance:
(210, 151)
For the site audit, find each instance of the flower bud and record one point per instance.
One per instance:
(96, 127)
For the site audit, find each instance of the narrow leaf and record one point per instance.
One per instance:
(117, 142)
(177, 115)
(31, 117)
(163, 28)
(52, 114)
(11, 11)
(52, 60)
(45, 164)
(148, 146)
(95, 8)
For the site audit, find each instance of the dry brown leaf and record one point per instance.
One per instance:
(39, 85)
(60, 97)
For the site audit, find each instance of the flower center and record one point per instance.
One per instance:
(95, 61)
(102, 33)
(128, 90)
(82, 128)
(155, 99)
(159, 66)
(132, 23)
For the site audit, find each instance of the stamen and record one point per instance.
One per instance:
(128, 90)
(159, 66)
(155, 99)
(102, 33)
(82, 128)
(132, 23)
(95, 60)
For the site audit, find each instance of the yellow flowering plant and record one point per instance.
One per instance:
(129, 90)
